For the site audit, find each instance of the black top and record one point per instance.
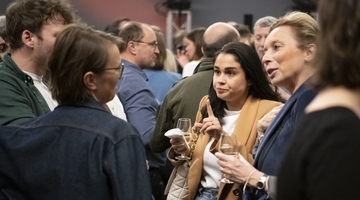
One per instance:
(322, 161)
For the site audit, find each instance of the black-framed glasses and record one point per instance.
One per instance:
(119, 69)
(153, 44)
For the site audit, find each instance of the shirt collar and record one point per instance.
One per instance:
(13, 66)
(131, 68)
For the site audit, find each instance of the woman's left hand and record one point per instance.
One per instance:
(267, 119)
(237, 169)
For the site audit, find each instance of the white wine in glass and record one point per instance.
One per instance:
(184, 124)
(228, 146)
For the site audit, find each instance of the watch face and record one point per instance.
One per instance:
(261, 183)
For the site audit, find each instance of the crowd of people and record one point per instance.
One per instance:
(84, 112)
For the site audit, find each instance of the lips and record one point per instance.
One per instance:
(220, 90)
(271, 72)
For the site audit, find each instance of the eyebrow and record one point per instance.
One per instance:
(227, 68)
(270, 44)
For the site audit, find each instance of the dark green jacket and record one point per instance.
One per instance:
(19, 98)
(182, 101)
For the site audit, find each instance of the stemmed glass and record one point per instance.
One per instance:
(228, 145)
(184, 124)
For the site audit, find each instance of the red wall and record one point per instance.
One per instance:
(101, 12)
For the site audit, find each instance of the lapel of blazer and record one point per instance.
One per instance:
(277, 121)
(244, 123)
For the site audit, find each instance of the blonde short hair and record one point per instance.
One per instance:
(304, 27)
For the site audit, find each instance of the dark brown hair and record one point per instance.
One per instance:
(254, 72)
(115, 24)
(77, 50)
(337, 59)
(196, 36)
(31, 15)
(161, 56)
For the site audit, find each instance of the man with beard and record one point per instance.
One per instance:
(32, 26)
(139, 52)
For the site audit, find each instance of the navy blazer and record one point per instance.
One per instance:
(272, 146)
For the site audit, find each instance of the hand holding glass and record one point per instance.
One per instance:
(228, 145)
(184, 124)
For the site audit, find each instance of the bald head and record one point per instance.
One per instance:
(216, 36)
(217, 30)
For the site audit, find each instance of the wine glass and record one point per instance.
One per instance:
(184, 124)
(228, 145)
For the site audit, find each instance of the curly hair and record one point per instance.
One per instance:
(31, 15)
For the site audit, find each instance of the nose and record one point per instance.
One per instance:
(221, 79)
(157, 50)
(266, 58)
(262, 42)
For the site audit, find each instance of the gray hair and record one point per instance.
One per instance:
(267, 21)
(3, 26)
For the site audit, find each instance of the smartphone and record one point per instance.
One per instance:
(181, 47)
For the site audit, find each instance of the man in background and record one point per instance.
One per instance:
(32, 26)
(261, 31)
(139, 52)
(245, 33)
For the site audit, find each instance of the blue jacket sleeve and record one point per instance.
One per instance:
(125, 166)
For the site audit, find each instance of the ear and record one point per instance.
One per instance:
(310, 52)
(202, 50)
(249, 83)
(131, 47)
(2, 41)
(89, 80)
(28, 38)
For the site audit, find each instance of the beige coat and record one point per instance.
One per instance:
(246, 133)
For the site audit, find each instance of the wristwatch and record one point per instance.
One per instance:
(260, 185)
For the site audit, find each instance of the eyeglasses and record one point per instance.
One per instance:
(119, 69)
(153, 44)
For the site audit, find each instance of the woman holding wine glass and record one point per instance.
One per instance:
(239, 96)
(289, 52)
